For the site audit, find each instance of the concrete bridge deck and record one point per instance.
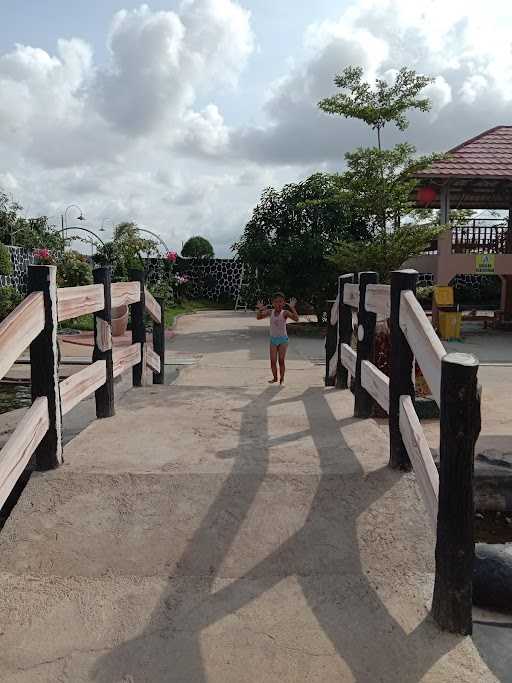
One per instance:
(223, 530)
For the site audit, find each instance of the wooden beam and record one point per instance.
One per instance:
(16, 453)
(78, 386)
(103, 345)
(44, 366)
(19, 329)
(421, 458)
(331, 344)
(126, 358)
(351, 295)
(152, 306)
(378, 300)
(363, 401)
(423, 340)
(152, 359)
(138, 327)
(125, 293)
(455, 547)
(344, 329)
(376, 384)
(159, 345)
(348, 358)
(76, 301)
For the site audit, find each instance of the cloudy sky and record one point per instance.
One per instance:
(176, 114)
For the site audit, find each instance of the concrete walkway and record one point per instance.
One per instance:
(223, 530)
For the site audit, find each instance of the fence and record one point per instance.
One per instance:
(34, 324)
(452, 378)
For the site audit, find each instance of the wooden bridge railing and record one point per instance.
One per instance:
(452, 378)
(34, 324)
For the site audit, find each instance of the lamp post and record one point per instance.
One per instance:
(64, 217)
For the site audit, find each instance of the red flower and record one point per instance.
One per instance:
(42, 254)
(172, 256)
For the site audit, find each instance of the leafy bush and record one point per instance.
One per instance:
(5, 261)
(197, 247)
(73, 270)
(425, 294)
(9, 299)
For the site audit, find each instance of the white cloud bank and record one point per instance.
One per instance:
(142, 137)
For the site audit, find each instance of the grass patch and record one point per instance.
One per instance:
(85, 323)
(193, 307)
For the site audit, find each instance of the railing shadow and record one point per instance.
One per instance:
(323, 556)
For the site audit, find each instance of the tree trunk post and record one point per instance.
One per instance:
(159, 344)
(366, 322)
(331, 344)
(401, 368)
(103, 344)
(344, 329)
(138, 328)
(455, 548)
(44, 366)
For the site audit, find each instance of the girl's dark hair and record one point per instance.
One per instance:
(278, 295)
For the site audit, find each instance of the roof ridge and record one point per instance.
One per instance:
(475, 138)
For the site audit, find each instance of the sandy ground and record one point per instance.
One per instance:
(222, 530)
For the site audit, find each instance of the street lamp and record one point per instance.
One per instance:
(64, 217)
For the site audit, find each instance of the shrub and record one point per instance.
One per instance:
(9, 299)
(197, 247)
(5, 260)
(73, 270)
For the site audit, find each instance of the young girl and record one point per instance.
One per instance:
(278, 336)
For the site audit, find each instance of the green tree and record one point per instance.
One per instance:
(31, 233)
(73, 270)
(197, 247)
(5, 261)
(125, 251)
(291, 232)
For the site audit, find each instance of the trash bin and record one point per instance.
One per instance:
(449, 324)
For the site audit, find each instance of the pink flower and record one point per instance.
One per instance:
(42, 254)
(172, 256)
(182, 279)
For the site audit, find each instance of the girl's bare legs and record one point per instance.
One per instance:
(281, 350)
(273, 363)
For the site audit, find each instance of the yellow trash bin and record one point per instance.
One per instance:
(449, 324)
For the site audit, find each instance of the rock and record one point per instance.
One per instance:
(492, 577)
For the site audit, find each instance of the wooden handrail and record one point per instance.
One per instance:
(348, 358)
(78, 386)
(152, 306)
(126, 358)
(73, 302)
(376, 383)
(19, 329)
(378, 299)
(351, 295)
(18, 450)
(152, 359)
(125, 293)
(423, 340)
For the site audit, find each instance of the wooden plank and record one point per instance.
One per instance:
(159, 346)
(348, 358)
(152, 359)
(19, 329)
(376, 383)
(44, 366)
(125, 293)
(22, 443)
(351, 295)
(152, 306)
(363, 402)
(344, 329)
(78, 386)
(126, 358)
(103, 345)
(423, 340)
(421, 457)
(76, 301)
(378, 299)
(138, 327)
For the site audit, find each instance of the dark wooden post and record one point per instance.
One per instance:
(401, 368)
(331, 343)
(455, 548)
(138, 327)
(344, 329)
(103, 344)
(159, 344)
(44, 366)
(366, 322)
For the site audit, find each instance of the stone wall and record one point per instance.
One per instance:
(21, 260)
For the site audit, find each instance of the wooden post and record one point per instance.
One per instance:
(344, 329)
(138, 327)
(401, 368)
(103, 345)
(455, 548)
(331, 343)
(159, 344)
(44, 366)
(366, 322)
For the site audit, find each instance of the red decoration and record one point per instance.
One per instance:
(426, 195)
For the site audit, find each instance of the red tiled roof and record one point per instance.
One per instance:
(488, 155)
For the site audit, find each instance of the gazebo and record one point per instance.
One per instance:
(476, 174)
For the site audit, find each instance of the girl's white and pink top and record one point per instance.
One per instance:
(278, 324)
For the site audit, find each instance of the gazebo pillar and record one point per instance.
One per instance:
(506, 280)
(444, 247)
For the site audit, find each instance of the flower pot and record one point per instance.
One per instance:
(119, 321)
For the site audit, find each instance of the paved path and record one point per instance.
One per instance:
(222, 530)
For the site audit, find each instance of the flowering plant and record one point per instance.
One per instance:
(43, 257)
(172, 256)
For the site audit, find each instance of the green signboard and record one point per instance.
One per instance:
(485, 263)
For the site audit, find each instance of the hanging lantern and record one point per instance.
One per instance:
(426, 195)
